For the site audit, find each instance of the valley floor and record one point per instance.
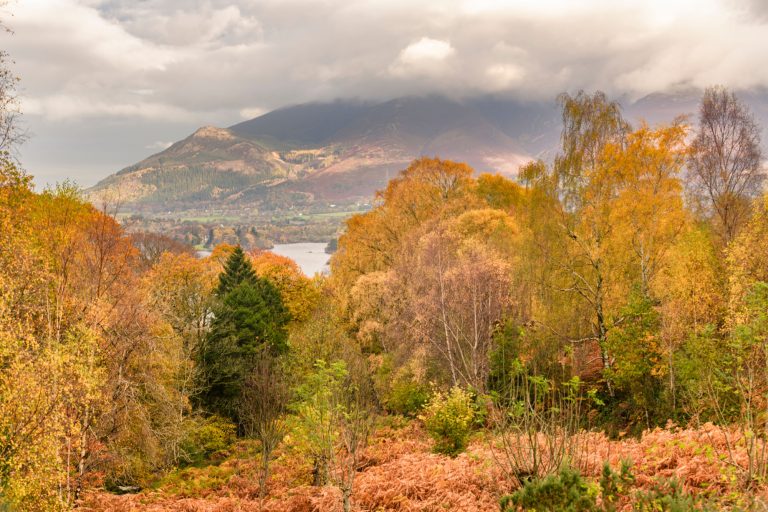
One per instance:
(399, 472)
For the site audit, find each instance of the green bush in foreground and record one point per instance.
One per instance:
(449, 420)
(564, 492)
(568, 491)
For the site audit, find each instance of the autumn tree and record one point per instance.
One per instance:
(11, 134)
(300, 294)
(724, 162)
(690, 295)
(335, 413)
(426, 189)
(455, 290)
(591, 125)
(152, 246)
(179, 288)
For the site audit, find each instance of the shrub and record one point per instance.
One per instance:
(669, 496)
(212, 435)
(407, 397)
(614, 486)
(449, 419)
(564, 492)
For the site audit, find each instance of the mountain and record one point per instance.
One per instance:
(342, 152)
(339, 152)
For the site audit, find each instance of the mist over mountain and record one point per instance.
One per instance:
(343, 151)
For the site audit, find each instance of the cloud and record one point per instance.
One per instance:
(197, 62)
(424, 57)
(195, 57)
(250, 113)
(503, 76)
(61, 107)
(425, 50)
(159, 145)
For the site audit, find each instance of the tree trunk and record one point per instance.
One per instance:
(346, 495)
(83, 452)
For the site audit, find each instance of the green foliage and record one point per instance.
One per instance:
(193, 183)
(237, 270)
(400, 392)
(193, 481)
(449, 420)
(569, 492)
(248, 317)
(504, 358)
(669, 496)
(564, 492)
(639, 362)
(406, 397)
(751, 335)
(615, 485)
(207, 438)
(318, 409)
(701, 372)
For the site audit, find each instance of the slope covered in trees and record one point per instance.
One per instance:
(481, 343)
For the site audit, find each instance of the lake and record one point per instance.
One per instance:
(310, 256)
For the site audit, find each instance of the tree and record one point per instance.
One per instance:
(237, 270)
(152, 246)
(454, 293)
(639, 361)
(591, 125)
(11, 136)
(335, 414)
(249, 316)
(614, 211)
(428, 188)
(262, 408)
(690, 293)
(724, 160)
(299, 293)
(179, 289)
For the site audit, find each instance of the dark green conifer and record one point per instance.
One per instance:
(236, 270)
(249, 317)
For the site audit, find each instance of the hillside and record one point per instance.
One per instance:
(339, 152)
(317, 154)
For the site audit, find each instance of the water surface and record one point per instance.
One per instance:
(310, 256)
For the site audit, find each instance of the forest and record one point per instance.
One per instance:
(592, 336)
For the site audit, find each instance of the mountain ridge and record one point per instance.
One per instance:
(343, 151)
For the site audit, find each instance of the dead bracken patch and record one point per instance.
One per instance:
(399, 473)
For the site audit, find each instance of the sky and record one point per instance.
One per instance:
(105, 83)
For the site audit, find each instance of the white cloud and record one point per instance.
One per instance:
(250, 113)
(504, 76)
(194, 57)
(426, 56)
(424, 50)
(159, 145)
(62, 107)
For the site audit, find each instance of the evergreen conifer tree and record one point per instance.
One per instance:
(237, 270)
(249, 318)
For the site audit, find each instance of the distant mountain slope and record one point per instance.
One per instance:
(345, 150)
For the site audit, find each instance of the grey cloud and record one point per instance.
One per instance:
(194, 62)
